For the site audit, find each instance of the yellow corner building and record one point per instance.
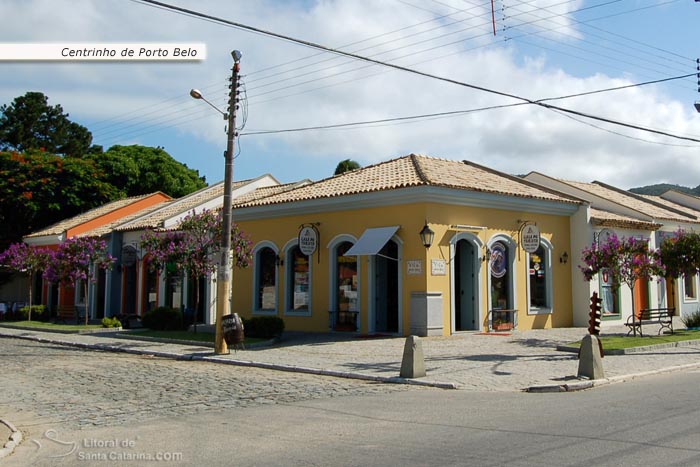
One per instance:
(415, 245)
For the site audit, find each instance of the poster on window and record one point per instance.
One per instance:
(498, 262)
(606, 292)
(268, 298)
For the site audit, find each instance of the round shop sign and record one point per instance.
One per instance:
(128, 255)
(531, 238)
(308, 240)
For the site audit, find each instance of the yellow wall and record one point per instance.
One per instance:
(411, 218)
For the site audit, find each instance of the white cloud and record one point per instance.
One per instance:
(515, 140)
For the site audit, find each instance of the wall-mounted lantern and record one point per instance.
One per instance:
(427, 236)
(564, 258)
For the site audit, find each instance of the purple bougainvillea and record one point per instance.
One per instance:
(76, 260)
(195, 247)
(625, 259)
(23, 258)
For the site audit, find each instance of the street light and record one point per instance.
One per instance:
(223, 273)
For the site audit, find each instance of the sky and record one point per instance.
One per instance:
(541, 49)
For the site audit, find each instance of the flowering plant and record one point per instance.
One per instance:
(20, 257)
(624, 259)
(195, 247)
(680, 254)
(76, 260)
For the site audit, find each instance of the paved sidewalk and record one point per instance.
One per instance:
(471, 361)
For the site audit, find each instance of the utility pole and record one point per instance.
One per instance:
(223, 275)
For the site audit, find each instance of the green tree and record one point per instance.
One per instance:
(38, 189)
(31, 123)
(346, 166)
(138, 170)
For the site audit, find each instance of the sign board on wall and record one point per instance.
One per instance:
(308, 240)
(414, 267)
(438, 267)
(129, 255)
(531, 238)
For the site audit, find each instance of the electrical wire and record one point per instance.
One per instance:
(310, 81)
(413, 71)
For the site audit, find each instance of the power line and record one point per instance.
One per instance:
(462, 112)
(160, 114)
(409, 70)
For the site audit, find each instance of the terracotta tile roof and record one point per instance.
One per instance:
(672, 205)
(410, 171)
(609, 219)
(108, 228)
(633, 201)
(264, 192)
(66, 224)
(156, 218)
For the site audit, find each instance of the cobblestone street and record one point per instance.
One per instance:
(47, 385)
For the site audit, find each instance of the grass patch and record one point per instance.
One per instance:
(187, 336)
(618, 342)
(43, 326)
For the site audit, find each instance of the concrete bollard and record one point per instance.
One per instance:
(590, 362)
(413, 363)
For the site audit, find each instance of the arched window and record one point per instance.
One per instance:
(265, 262)
(298, 282)
(540, 279)
(345, 277)
(501, 276)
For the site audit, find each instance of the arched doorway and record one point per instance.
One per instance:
(466, 312)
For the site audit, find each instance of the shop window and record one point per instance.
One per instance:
(345, 275)
(499, 268)
(173, 291)
(151, 296)
(540, 280)
(266, 280)
(80, 292)
(298, 283)
(608, 293)
(689, 287)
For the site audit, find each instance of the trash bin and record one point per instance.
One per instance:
(232, 327)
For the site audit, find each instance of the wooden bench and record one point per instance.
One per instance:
(66, 313)
(663, 317)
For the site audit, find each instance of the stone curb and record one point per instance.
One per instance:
(62, 331)
(227, 361)
(588, 384)
(135, 337)
(646, 348)
(15, 438)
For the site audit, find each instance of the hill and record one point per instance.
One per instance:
(660, 188)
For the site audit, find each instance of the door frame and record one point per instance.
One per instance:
(478, 246)
(371, 296)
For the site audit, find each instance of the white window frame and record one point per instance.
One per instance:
(686, 297)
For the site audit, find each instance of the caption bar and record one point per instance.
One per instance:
(103, 52)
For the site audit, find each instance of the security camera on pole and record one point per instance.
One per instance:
(590, 355)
